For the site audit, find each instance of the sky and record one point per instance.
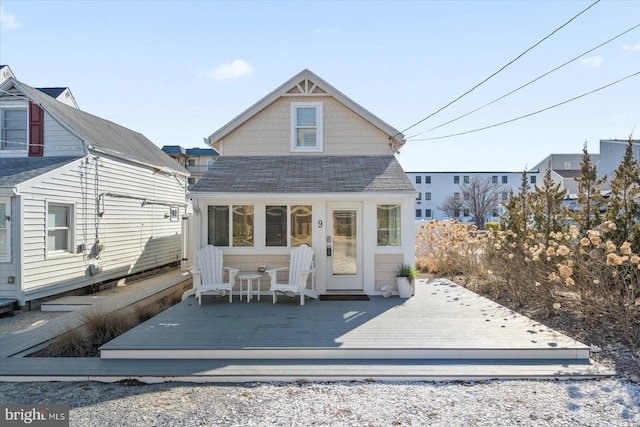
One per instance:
(177, 71)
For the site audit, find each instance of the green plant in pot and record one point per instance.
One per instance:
(405, 279)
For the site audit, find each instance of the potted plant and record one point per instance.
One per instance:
(405, 278)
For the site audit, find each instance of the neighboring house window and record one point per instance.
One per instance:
(14, 129)
(533, 179)
(456, 179)
(5, 230)
(219, 225)
(456, 213)
(427, 196)
(494, 212)
(494, 179)
(59, 228)
(389, 225)
(418, 213)
(505, 195)
(466, 179)
(427, 213)
(427, 179)
(288, 225)
(456, 196)
(306, 126)
(418, 179)
(504, 179)
(174, 213)
(465, 212)
(191, 180)
(418, 197)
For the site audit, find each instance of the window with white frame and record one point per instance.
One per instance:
(288, 225)
(14, 129)
(224, 221)
(59, 228)
(306, 126)
(389, 225)
(5, 230)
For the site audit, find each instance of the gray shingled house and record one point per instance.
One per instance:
(82, 199)
(306, 164)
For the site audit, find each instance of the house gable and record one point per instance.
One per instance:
(267, 128)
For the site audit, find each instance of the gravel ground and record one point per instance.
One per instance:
(497, 403)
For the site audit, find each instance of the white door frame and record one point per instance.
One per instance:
(345, 283)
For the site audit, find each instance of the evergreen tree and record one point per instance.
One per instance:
(624, 205)
(518, 208)
(546, 201)
(590, 199)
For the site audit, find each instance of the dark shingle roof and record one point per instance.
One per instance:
(53, 92)
(104, 134)
(201, 152)
(13, 171)
(173, 149)
(304, 174)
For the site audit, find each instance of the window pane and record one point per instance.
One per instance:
(243, 225)
(306, 116)
(306, 137)
(389, 225)
(58, 216)
(301, 225)
(14, 129)
(57, 240)
(3, 214)
(276, 234)
(218, 225)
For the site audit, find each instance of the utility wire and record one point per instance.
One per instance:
(530, 114)
(503, 67)
(532, 81)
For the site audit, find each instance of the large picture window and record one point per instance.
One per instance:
(288, 225)
(306, 126)
(5, 231)
(221, 219)
(59, 228)
(389, 225)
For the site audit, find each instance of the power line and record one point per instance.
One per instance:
(530, 114)
(503, 67)
(533, 81)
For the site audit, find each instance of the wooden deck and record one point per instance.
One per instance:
(443, 333)
(442, 321)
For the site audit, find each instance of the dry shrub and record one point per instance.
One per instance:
(73, 342)
(559, 274)
(103, 327)
(147, 311)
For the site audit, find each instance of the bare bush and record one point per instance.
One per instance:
(73, 342)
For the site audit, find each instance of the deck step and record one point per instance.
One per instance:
(158, 370)
(286, 354)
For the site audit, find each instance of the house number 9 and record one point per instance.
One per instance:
(319, 223)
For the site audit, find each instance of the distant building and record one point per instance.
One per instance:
(195, 160)
(433, 187)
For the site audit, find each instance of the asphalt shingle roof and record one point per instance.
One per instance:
(13, 171)
(104, 134)
(304, 174)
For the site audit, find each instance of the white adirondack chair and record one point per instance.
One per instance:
(300, 267)
(208, 277)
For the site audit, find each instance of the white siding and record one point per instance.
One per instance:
(58, 141)
(7, 290)
(135, 237)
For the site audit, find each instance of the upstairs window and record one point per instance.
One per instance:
(427, 179)
(466, 179)
(533, 179)
(494, 179)
(14, 129)
(505, 180)
(418, 179)
(456, 179)
(306, 126)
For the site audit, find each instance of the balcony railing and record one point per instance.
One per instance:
(198, 169)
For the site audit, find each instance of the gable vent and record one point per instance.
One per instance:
(306, 86)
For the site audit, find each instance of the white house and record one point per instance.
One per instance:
(611, 155)
(306, 164)
(433, 187)
(196, 160)
(82, 199)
